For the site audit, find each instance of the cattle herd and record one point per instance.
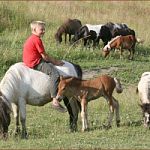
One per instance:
(92, 34)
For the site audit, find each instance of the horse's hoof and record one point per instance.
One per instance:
(5, 136)
(107, 126)
(85, 130)
(118, 123)
(72, 130)
(24, 136)
(18, 131)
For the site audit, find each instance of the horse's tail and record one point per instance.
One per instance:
(139, 41)
(119, 88)
(137, 91)
(78, 70)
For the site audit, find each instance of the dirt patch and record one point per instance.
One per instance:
(97, 71)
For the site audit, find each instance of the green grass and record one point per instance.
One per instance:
(49, 129)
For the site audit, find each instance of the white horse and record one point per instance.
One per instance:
(144, 95)
(22, 85)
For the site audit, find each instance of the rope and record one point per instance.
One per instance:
(73, 45)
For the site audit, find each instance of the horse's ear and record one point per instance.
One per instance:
(70, 79)
(61, 77)
(141, 106)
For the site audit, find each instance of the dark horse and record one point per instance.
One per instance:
(70, 26)
(93, 33)
(119, 29)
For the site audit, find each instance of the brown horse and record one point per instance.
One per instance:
(121, 42)
(70, 26)
(87, 90)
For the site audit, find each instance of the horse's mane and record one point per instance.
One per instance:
(73, 78)
(115, 38)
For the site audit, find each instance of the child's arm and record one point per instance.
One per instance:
(50, 59)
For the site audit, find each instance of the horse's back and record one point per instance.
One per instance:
(95, 28)
(67, 69)
(144, 87)
(107, 81)
(21, 81)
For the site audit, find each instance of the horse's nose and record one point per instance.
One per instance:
(59, 98)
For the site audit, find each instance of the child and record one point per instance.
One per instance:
(35, 57)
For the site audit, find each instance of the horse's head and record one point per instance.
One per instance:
(106, 50)
(80, 33)
(146, 114)
(62, 86)
(58, 38)
(4, 118)
(76, 36)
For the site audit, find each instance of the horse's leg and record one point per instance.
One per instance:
(5, 125)
(70, 38)
(65, 38)
(72, 107)
(111, 109)
(84, 113)
(131, 54)
(85, 42)
(16, 116)
(22, 108)
(5, 131)
(116, 107)
(121, 53)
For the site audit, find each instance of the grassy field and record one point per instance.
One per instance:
(47, 128)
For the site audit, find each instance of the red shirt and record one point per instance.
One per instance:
(33, 47)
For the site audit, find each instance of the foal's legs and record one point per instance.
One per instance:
(84, 113)
(22, 108)
(111, 109)
(116, 106)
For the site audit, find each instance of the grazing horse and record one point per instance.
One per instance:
(86, 90)
(121, 42)
(143, 90)
(70, 26)
(22, 85)
(93, 33)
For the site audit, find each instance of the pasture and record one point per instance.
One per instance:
(47, 128)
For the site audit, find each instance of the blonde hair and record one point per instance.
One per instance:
(34, 24)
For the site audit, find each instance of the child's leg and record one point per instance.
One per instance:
(50, 70)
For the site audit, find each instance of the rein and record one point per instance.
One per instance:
(73, 45)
